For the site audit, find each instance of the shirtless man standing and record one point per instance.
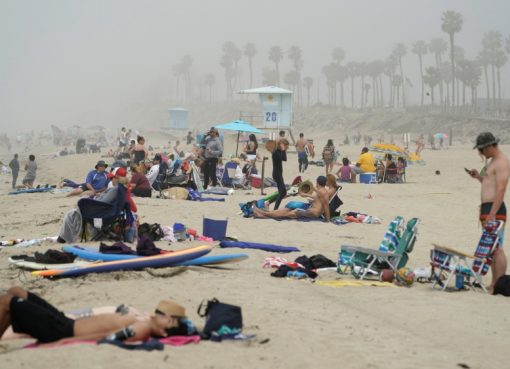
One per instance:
(494, 180)
(318, 206)
(31, 315)
(301, 152)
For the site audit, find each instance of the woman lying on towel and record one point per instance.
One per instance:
(30, 315)
(318, 206)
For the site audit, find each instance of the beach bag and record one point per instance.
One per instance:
(502, 286)
(152, 231)
(218, 314)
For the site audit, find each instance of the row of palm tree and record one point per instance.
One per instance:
(454, 78)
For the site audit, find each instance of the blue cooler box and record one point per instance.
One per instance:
(368, 178)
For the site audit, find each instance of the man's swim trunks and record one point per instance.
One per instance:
(39, 319)
(485, 209)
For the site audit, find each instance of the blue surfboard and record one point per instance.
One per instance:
(92, 253)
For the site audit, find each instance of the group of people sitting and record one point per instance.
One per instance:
(323, 203)
(388, 170)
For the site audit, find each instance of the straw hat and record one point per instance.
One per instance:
(171, 308)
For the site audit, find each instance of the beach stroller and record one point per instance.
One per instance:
(447, 262)
(393, 252)
(108, 220)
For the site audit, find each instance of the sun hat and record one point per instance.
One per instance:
(485, 139)
(170, 308)
(101, 163)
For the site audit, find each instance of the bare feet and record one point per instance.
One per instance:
(258, 213)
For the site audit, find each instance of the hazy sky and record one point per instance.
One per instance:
(61, 59)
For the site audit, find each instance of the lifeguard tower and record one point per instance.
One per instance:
(178, 118)
(277, 112)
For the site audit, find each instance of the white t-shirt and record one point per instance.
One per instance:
(153, 173)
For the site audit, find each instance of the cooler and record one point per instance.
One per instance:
(368, 178)
(255, 181)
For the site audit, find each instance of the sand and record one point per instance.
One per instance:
(303, 325)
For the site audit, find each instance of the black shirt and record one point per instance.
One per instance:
(278, 157)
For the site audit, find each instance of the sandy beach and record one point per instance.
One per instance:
(298, 324)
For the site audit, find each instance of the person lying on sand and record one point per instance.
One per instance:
(318, 206)
(31, 315)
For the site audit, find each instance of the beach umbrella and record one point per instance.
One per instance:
(392, 149)
(239, 126)
(439, 136)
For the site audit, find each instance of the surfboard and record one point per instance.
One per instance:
(92, 253)
(31, 190)
(157, 261)
(32, 265)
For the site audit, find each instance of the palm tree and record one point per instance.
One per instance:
(390, 67)
(308, 83)
(177, 72)
(352, 71)
(460, 55)
(338, 55)
(492, 43)
(483, 59)
(186, 63)
(296, 55)
(432, 78)
(473, 81)
(227, 63)
(210, 80)
(341, 75)
(452, 24)
(292, 79)
(361, 72)
(250, 51)
(276, 56)
(397, 82)
(420, 48)
(499, 61)
(329, 73)
(399, 52)
(446, 75)
(438, 47)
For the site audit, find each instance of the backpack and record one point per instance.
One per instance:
(152, 231)
(502, 286)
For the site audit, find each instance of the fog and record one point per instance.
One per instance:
(65, 62)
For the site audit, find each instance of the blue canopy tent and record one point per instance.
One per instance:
(239, 126)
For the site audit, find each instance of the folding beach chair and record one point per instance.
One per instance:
(447, 262)
(226, 179)
(335, 202)
(362, 261)
(215, 229)
(109, 220)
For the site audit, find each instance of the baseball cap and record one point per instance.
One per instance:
(117, 172)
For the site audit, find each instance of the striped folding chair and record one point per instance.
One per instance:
(447, 262)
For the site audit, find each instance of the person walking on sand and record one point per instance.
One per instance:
(301, 152)
(31, 168)
(328, 155)
(213, 151)
(279, 156)
(494, 180)
(14, 165)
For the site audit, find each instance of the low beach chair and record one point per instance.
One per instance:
(107, 219)
(362, 261)
(447, 262)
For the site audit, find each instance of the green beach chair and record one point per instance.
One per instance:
(362, 261)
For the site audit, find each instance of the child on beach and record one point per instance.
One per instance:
(345, 171)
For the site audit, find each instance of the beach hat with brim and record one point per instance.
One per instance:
(101, 163)
(485, 139)
(170, 308)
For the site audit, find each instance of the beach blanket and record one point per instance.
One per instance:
(197, 196)
(357, 283)
(31, 190)
(219, 191)
(172, 341)
(258, 246)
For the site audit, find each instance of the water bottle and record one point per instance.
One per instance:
(459, 281)
(296, 274)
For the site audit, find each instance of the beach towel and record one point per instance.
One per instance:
(197, 196)
(219, 191)
(258, 246)
(352, 283)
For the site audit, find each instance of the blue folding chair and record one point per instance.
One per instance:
(215, 229)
